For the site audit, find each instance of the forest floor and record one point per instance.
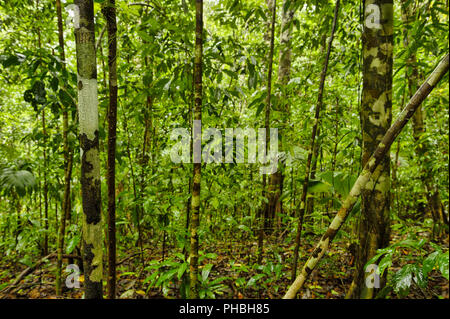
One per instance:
(234, 274)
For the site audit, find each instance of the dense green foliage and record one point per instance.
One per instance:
(155, 94)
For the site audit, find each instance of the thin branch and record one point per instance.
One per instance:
(97, 45)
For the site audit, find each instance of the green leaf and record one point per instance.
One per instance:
(315, 186)
(429, 262)
(260, 108)
(254, 279)
(205, 271)
(244, 228)
(20, 180)
(403, 279)
(384, 264)
(181, 270)
(215, 202)
(73, 242)
(442, 262)
(420, 278)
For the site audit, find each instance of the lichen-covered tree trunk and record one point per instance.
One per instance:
(195, 202)
(109, 11)
(371, 168)
(376, 117)
(92, 239)
(312, 143)
(275, 188)
(65, 212)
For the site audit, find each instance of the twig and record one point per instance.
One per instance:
(100, 38)
(26, 272)
(30, 269)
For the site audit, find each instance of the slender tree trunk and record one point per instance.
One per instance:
(92, 239)
(44, 151)
(376, 117)
(313, 138)
(264, 207)
(133, 182)
(275, 188)
(195, 202)
(45, 189)
(315, 156)
(371, 168)
(109, 11)
(65, 212)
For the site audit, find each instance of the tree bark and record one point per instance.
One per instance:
(109, 11)
(65, 212)
(195, 202)
(45, 188)
(265, 207)
(376, 117)
(92, 239)
(275, 188)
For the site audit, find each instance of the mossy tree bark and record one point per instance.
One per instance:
(195, 202)
(376, 117)
(92, 238)
(109, 11)
(371, 168)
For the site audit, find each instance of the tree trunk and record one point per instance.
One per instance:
(109, 11)
(92, 238)
(195, 202)
(65, 212)
(45, 189)
(275, 188)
